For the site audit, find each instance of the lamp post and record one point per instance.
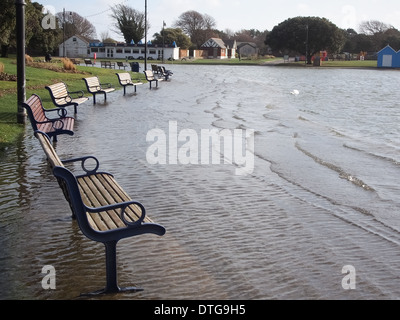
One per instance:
(21, 80)
(145, 34)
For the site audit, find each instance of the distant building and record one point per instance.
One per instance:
(216, 48)
(74, 47)
(133, 51)
(247, 49)
(388, 58)
(77, 47)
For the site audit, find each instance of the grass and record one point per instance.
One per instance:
(36, 80)
(337, 64)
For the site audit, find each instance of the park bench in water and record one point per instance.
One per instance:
(60, 124)
(103, 210)
(94, 87)
(61, 97)
(126, 80)
(151, 78)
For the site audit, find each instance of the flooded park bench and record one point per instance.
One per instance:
(151, 78)
(94, 87)
(103, 210)
(121, 65)
(51, 126)
(126, 80)
(162, 72)
(88, 62)
(107, 64)
(61, 97)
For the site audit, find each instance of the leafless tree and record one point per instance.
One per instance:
(76, 25)
(196, 25)
(373, 27)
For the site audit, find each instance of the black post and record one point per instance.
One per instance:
(145, 34)
(21, 81)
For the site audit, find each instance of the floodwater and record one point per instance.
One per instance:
(311, 193)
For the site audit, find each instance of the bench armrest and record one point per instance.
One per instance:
(122, 206)
(83, 163)
(79, 93)
(108, 85)
(62, 112)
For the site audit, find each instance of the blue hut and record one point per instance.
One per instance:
(388, 58)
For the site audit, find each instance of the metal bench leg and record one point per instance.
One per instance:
(111, 273)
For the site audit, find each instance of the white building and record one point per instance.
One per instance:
(77, 47)
(132, 51)
(74, 47)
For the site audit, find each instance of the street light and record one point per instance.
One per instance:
(145, 35)
(21, 81)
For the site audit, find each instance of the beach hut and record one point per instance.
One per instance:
(388, 58)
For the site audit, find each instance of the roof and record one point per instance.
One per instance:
(214, 43)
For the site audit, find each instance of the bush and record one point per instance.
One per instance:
(68, 64)
(1, 67)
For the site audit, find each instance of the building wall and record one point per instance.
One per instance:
(133, 52)
(75, 47)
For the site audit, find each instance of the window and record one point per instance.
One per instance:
(73, 39)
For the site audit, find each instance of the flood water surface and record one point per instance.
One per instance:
(319, 195)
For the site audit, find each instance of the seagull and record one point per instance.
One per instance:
(295, 92)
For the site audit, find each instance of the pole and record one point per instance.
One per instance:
(21, 79)
(145, 34)
(307, 45)
(163, 42)
(64, 32)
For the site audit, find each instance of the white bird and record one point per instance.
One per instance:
(295, 92)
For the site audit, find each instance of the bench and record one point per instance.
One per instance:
(107, 64)
(62, 97)
(164, 73)
(89, 62)
(51, 126)
(121, 65)
(154, 68)
(94, 87)
(151, 78)
(126, 80)
(103, 210)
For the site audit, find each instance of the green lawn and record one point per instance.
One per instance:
(36, 80)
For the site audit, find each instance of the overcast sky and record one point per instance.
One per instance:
(236, 14)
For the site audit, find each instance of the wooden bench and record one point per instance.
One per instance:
(126, 80)
(62, 97)
(89, 62)
(151, 78)
(94, 87)
(51, 126)
(154, 68)
(121, 65)
(107, 64)
(164, 73)
(103, 210)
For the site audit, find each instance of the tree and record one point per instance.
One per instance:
(306, 35)
(7, 26)
(169, 35)
(197, 26)
(130, 22)
(76, 25)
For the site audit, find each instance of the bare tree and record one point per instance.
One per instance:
(196, 25)
(373, 27)
(76, 25)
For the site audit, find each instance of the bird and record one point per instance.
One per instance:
(295, 92)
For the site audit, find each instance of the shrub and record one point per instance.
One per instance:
(68, 64)
(1, 67)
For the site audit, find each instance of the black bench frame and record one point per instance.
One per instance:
(68, 182)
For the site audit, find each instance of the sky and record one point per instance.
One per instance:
(235, 15)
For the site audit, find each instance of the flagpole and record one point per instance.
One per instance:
(163, 40)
